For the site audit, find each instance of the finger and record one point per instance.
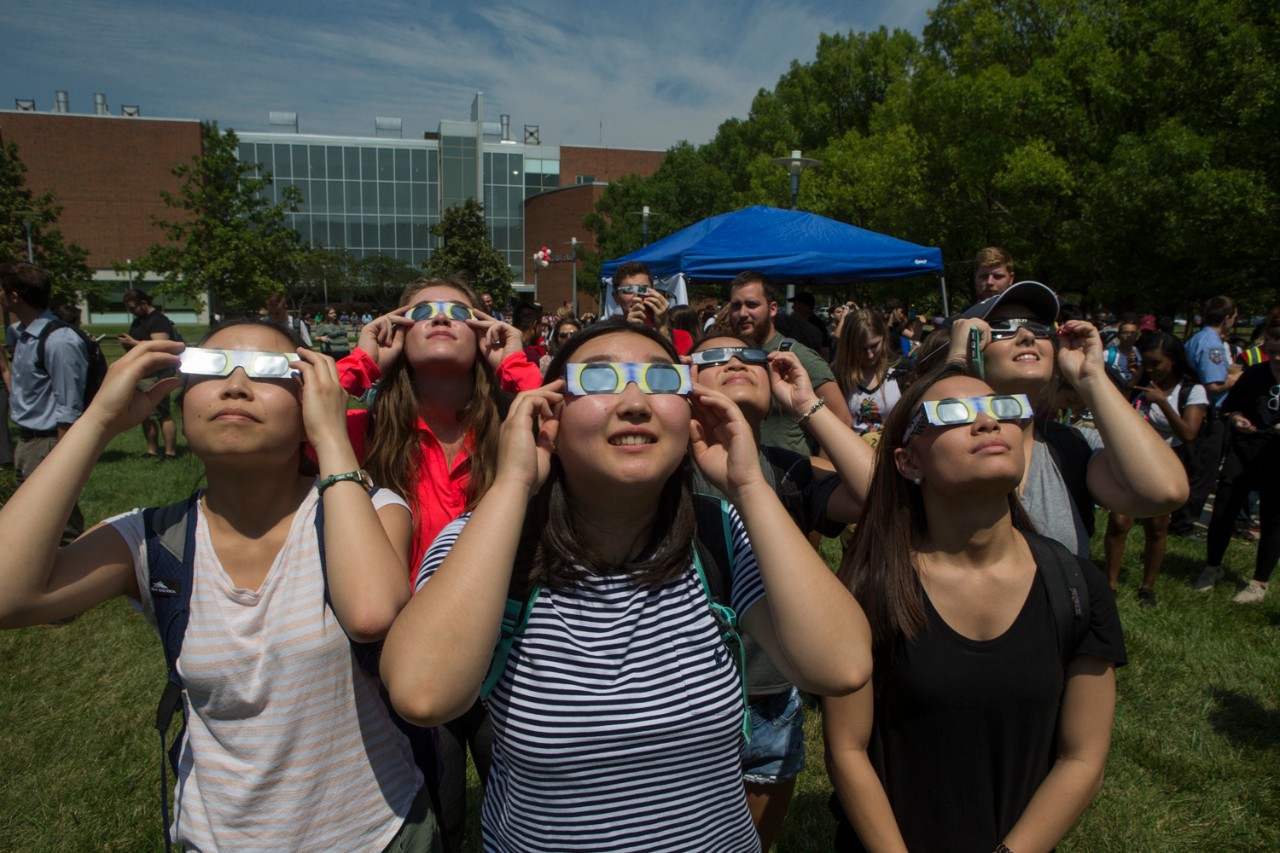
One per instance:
(163, 389)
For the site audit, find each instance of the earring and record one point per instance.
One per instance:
(917, 480)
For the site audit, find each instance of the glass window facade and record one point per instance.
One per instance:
(381, 196)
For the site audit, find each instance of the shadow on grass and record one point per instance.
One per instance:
(1242, 720)
(1183, 567)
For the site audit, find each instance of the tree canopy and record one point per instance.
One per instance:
(1121, 150)
(226, 238)
(465, 249)
(20, 209)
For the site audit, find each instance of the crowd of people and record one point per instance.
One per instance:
(582, 552)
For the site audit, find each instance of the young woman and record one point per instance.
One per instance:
(332, 336)
(443, 371)
(1252, 413)
(271, 687)
(1124, 355)
(866, 367)
(983, 730)
(565, 329)
(1171, 399)
(432, 431)
(618, 714)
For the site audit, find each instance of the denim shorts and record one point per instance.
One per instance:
(776, 751)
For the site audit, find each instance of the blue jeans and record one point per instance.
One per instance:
(776, 751)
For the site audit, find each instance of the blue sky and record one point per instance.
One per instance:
(642, 75)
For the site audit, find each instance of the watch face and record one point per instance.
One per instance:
(366, 480)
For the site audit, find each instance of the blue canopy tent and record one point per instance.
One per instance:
(787, 245)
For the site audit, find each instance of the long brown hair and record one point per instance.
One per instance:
(393, 454)
(880, 569)
(552, 553)
(860, 326)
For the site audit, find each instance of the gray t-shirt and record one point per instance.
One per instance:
(1048, 501)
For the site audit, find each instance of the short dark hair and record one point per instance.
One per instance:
(1218, 309)
(136, 295)
(28, 281)
(746, 277)
(526, 315)
(630, 268)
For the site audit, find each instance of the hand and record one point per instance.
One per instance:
(528, 436)
(324, 401)
(1080, 353)
(722, 443)
(119, 405)
(958, 350)
(791, 385)
(1154, 394)
(383, 339)
(496, 339)
(127, 341)
(1242, 424)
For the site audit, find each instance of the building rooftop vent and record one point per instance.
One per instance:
(388, 127)
(25, 105)
(282, 121)
(61, 101)
(532, 134)
(100, 104)
(130, 110)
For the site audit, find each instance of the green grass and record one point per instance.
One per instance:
(1193, 766)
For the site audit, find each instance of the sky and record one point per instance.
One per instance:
(624, 75)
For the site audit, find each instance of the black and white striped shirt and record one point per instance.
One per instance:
(618, 719)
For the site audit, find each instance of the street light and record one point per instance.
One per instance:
(573, 243)
(644, 224)
(26, 223)
(796, 164)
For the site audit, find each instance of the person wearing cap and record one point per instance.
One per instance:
(992, 272)
(753, 303)
(1126, 467)
(1123, 354)
(802, 305)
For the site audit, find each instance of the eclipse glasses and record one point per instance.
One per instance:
(955, 411)
(196, 361)
(613, 377)
(1004, 329)
(715, 356)
(431, 310)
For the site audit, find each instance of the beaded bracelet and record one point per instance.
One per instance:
(818, 405)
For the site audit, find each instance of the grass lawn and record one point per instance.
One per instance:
(1194, 763)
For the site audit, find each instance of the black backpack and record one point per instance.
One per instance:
(97, 360)
(1071, 453)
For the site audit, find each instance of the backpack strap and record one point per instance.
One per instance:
(169, 536)
(713, 545)
(43, 338)
(1071, 454)
(515, 615)
(1068, 593)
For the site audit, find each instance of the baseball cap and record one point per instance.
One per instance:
(1036, 297)
(1147, 323)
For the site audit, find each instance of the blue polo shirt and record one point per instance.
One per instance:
(1208, 355)
(40, 400)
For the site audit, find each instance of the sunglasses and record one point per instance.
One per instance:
(955, 411)
(1003, 330)
(612, 377)
(195, 361)
(430, 310)
(715, 356)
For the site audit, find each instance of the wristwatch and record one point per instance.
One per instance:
(360, 476)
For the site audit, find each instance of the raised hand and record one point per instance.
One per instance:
(324, 402)
(722, 443)
(119, 405)
(496, 339)
(791, 385)
(383, 338)
(1080, 354)
(528, 436)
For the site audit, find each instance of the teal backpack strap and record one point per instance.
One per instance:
(515, 615)
(726, 620)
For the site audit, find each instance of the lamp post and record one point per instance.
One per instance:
(573, 244)
(796, 164)
(644, 224)
(27, 223)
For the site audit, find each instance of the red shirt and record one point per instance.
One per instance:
(440, 488)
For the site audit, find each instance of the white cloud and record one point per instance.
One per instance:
(652, 73)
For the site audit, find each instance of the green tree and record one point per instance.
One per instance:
(465, 249)
(226, 239)
(382, 277)
(323, 274)
(20, 209)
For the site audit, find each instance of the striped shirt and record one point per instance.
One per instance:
(287, 745)
(617, 722)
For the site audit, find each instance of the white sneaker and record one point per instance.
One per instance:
(1210, 576)
(1251, 594)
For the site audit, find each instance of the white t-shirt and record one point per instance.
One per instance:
(870, 409)
(287, 745)
(1155, 415)
(617, 721)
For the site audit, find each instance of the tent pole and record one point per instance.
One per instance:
(942, 282)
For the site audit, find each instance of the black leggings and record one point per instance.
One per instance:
(473, 730)
(1251, 464)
